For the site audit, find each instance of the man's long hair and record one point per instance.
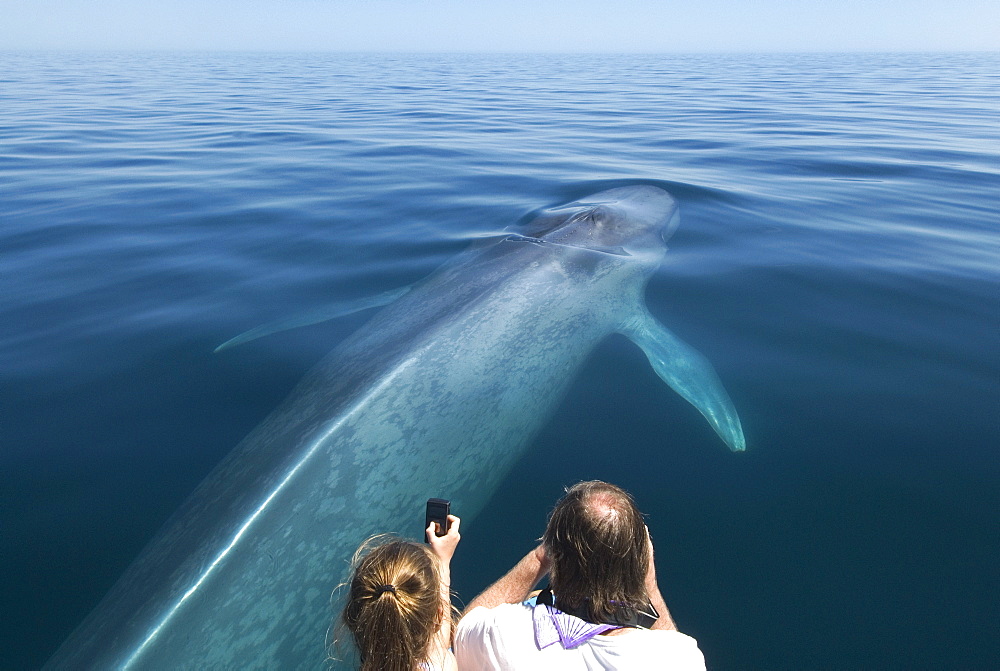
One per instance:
(596, 541)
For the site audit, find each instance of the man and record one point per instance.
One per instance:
(603, 609)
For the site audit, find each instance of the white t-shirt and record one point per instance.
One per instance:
(504, 638)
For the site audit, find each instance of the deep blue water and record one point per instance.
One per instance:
(837, 261)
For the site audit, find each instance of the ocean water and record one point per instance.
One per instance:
(838, 260)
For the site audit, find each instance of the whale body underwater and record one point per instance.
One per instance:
(437, 395)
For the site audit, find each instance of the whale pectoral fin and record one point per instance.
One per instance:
(323, 314)
(689, 374)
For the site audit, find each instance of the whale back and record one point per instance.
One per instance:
(437, 394)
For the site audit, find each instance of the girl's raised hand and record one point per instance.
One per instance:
(444, 546)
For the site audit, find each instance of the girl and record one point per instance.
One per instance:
(399, 604)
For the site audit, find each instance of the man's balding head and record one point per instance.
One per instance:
(596, 541)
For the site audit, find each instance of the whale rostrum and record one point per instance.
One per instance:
(437, 395)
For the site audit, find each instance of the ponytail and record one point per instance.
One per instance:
(394, 606)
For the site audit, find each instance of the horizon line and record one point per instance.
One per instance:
(499, 52)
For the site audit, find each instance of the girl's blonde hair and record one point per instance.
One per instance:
(394, 603)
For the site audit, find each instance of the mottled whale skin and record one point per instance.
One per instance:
(438, 395)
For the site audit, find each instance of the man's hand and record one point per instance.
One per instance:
(543, 561)
(653, 591)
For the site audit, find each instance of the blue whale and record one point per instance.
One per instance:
(437, 395)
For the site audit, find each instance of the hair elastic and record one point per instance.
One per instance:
(382, 589)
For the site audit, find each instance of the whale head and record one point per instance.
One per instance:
(628, 221)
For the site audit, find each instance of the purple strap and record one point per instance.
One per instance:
(552, 625)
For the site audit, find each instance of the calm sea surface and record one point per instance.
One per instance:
(838, 260)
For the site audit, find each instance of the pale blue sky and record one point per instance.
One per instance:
(515, 25)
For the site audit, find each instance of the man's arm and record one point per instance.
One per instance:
(665, 621)
(517, 584)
